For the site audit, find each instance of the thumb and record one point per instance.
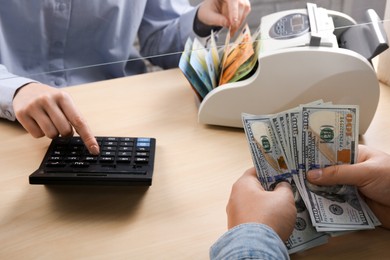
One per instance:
(350, 174)
(284, 188)
(217, 19)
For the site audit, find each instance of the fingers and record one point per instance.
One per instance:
(30, 125)
(250, 177)
(237, 12)
(250, 173)
(283, 187)
(233, 12)
(45, 111)
(226, 13)
(43, 118)
(50, 118)
(338, 174)
(381, 211)
(79, 123)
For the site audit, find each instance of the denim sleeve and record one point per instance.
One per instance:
(249, 241)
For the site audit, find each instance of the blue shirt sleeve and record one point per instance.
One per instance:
(249, 241)
(65, 43)
(9, 84)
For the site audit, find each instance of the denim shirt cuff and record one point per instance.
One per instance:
(249, 241)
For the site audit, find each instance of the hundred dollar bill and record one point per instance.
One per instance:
(278, 125)
(271, 168)
(304, 235)
(329, 136)
(293, 125)
(266, 152)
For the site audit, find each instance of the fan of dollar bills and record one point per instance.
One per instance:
(285, 146)
(207, 67)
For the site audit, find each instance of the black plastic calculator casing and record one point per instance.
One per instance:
(65, 163)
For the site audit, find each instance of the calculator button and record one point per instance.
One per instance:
(124, 154)
(108, 153)
(144, 140)
(142, 154)
(55, 158)
(126, 143)
(107, 159)
(127, 139)
(124, 148)
(140, 144)
(123, 159)
(71, 158)
(80, 164)
(108, 148)
(90, 159)
(111, 143)
(141, 160)
(55, 164)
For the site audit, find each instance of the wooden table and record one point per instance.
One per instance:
(179, 216)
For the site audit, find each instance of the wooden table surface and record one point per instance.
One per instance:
(180, 216)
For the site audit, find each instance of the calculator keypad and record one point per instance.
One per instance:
(119, 157)
(117, 154)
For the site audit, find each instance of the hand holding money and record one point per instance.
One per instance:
(371, 175)
(250, 203)
(285, 146)
(230, 13)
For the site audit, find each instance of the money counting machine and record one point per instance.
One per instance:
(306, 55)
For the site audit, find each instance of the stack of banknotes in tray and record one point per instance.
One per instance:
(207, 67)
(286, 145)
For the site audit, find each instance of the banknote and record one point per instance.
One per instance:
(304, 235)
(213, 61)
(286, 145)
(271, 169)
(266, 150)
(209, 66)
(198, 62)
(249, 66)
(224, 54)
(278, 125)
(189, 72)
(329, 136)
(241, 51)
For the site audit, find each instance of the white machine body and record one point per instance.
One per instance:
(300, 61)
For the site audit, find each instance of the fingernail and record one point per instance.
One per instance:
(94, 149)
(315, 174)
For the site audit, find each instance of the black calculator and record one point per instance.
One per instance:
(122, 161)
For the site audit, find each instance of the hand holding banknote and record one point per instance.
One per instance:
(286, 145)
(250, 203)
(228, 13)
(371, 175)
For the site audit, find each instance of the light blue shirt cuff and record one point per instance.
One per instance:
(9, 84)
(249, 241)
